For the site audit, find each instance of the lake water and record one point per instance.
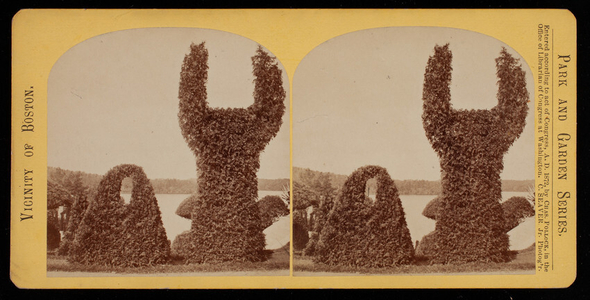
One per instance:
(278, 234)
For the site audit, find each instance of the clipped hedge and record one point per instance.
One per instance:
(227, 143)
(516, 210)
(118, 234)
(271, 208)
(471, 145)
(432, 209)
(361, 233)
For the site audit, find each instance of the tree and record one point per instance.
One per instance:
(77, 211)
(56, 196)
(470, 145)
(227, 143)
(358, 232)
(118, 234)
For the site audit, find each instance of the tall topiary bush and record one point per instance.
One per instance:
(470, 145)
(361, 233)
(227, 143)
(118, 234)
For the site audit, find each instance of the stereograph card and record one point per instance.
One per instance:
(293, 148)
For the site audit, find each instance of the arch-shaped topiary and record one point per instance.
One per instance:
(227, 143)
(360, 233)
(114, 233)
(471, 145)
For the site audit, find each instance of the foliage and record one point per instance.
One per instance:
(516, 210)
(432, 209)
(271, 208)
(303, 196)
(426, 246)
(300, 229)
(319, 217)
(470, 145)
(161, 185)
(53, 236)
(57, 196)
(405, 187)
(360, 233)
(76, 213)
(227, 143)
(185, 208)
(116, 234)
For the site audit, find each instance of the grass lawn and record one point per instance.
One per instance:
(523, 262)
(277, 263)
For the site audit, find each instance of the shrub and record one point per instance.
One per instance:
(300, 229)
(185, 208)
(227, 143)
(516, 209)
(361, 233)
(116, 234)
(426, 246)
(432, 209)
(320, 215)
(76, 213)
(57, 196)
(53, 236)
(271, 208)
(470, 145)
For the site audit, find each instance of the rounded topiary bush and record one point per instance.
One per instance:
(227, 143)
(516, 210)
(118, 234)
(358, 232)
(271, 208)
(471, 145)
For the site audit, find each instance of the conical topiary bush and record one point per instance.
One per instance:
(358, 232)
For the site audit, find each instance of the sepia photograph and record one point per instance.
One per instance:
(413, 153)
(168, 154)
(294, 149)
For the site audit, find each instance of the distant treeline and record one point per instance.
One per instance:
(161, 186)
(407, 187)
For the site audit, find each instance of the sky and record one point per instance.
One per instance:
(357, 100)
(113, 99)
